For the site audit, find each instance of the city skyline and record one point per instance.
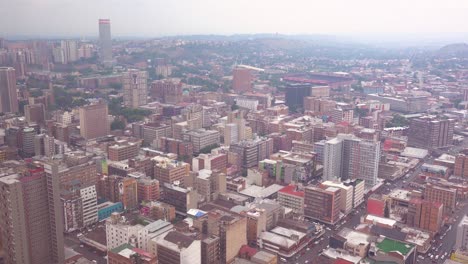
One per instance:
(362, 19)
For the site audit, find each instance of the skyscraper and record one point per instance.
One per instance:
(349, 157)
(135, 88)
(94, 121)
(70, 50)
(31, 224)
(430, 132)
(105, 40)
(8, 96)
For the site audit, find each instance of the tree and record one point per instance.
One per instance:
(117, 124)
(208, 149)
(234, 106)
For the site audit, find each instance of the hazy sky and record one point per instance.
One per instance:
(174, 17)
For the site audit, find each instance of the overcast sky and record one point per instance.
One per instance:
(179, 17)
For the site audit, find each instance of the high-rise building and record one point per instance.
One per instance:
(202, 138)
(35, 113)
(461, 166)
(178, 248)
(349, 157)
(123, 150)
(31, 225)
(8, 93)
(430, 132)
(332, 159)
(167, 91)
(322, 203)
(295, 94)
(105, 40)
(170, 171)
(446, 196)
(425, 215)
(70, 50)
(27, 146)
(94, 121)
(148, 190)
(462, 234)
(242, 80)
(252, 151)
(135, 88)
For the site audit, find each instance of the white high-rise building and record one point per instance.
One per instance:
(349, 157)
(135, 88)
(89, 202)
(70, 50)
(231, 134)
(462, 234)
(332, 157)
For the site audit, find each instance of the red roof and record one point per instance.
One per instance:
(246, 250)
(291, 190)
(342, 261)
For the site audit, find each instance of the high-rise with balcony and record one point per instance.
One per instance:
(430, 132)
(31, 225)
(8, 95)
(105, 40)
(135, 88)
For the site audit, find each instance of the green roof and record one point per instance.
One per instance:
(121, 247)
(389, 245)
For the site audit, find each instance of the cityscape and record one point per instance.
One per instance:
(258, 148)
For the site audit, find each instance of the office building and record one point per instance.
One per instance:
(167, 91)
(252, 151)
(210, 250)
(462, 234)
(461, 166)
(158, 211)
(347, 193)
(35, 114)
(27, 146)
(209, 184)
(293, 198)
(148, 190)
(70, 50)
(135, 88)
(295, 94)
(444, 195)
(348, 157)
(8, 93)
(201, 139)
(214, 162)
(322, 203)
(318, 106)
(123, 150)
(430, 132)
(231, 228)
(31, 225)
(105, 40)
(178, 248)
(94, 121)
(425, 215)
(242, 80)
(181, 198)
(170, 171)
(332, 159)
(79, 207)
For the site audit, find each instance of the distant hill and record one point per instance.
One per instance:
(459, 50)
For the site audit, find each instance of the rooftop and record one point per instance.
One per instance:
(389, 245)
(292, 190)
